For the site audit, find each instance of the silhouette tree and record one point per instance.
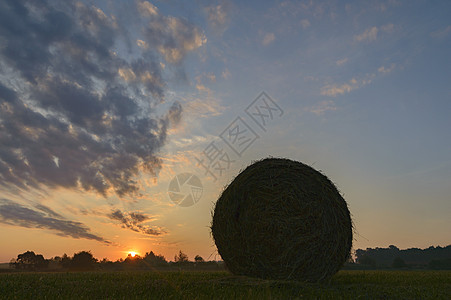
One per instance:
(131, 258)
(65, 261)
(181, 257)
(199, 259)
(83, 261)
(30, 261)
(154, 260)
(414, 257)
(398, 262)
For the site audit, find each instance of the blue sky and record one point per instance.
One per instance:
(364, 89)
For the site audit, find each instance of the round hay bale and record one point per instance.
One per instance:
(282, 219)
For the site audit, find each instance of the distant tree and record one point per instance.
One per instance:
(440, 264)
(181, 257)
(398, 262)
(414, 257)
(366, 260)
(393, 248)
(12, 263)
(56, 259)
(131, 258)
(30, 261)
(153, 260)
(65, 261)
(199, 259)
(105, 261)
(83, 261)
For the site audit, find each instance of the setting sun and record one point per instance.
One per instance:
(132, 253)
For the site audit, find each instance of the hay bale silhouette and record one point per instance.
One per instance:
(282, 219)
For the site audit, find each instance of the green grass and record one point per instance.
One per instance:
(222, 285)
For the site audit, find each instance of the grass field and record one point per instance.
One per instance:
(222, 285)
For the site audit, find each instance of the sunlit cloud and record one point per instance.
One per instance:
(204, 107)
(147, 9)
(218, 16)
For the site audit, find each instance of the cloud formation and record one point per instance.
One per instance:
(172, 37)
(76, 112)
(322, 107)
(218, 16)
(133, 222)
(333, 90)
(268, 38)
(341, 62)
(370, 34)
(12, 213)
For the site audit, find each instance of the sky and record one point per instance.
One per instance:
(108, 107)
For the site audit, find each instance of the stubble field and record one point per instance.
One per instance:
(223, 285)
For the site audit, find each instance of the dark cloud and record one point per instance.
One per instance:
(133, 222)
(75, 111)
(12, 213)
(48, 211)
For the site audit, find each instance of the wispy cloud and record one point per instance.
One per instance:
(204, 107)
(336, 89)
(322, 107)
(226, 74)
(388, 69)
(268, 38)
(341, 62)
(15, 214)
(441, 33)
(370, 34)
(333, 90)
(339, 89)
(134, 220)
(305, 23)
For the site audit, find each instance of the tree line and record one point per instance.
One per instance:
(438, 258)
(85, 261)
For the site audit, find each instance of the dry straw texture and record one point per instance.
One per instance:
(282, 219)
